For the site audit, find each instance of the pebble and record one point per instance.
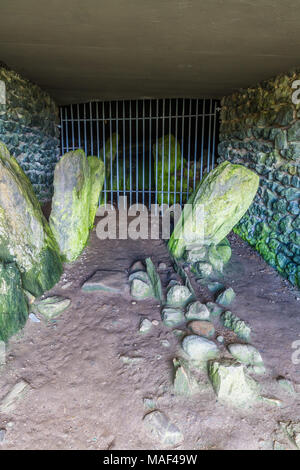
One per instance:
(161, 429)
(145, 325)
(155, 322)
(202, 328)
(34, 318)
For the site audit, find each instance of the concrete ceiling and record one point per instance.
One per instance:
(80, 50)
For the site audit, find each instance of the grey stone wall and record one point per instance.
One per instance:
(260, 128)
(28, 126)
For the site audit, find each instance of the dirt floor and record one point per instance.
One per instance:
(90, 370)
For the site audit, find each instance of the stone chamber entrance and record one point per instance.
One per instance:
(128, 324)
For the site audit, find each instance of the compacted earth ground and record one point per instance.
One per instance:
(91, 371)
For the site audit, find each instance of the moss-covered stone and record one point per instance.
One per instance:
(25, 236)
(70, 216)
(219, 194)
(13, 305)
(97, 175)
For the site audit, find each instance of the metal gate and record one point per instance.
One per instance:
(154, 151)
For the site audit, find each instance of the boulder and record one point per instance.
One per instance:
(97, 175)
(172, 316)
(25, 236)
(184, 381)
(70, 216)
(231, 384)
(197, 311)
(225, 195)
(226, 297)
(13, 305)
(246, 354)
(178, 296)
(199, 349)
(202, 328)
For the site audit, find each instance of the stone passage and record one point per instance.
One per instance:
(260, 128)
(28, 126)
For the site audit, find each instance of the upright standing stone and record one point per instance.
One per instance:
(224, 195)
(97, 179)
(70, 215)
(25, 236)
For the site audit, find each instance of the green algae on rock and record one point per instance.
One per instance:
(219, 202)
(25, 236)
(70, 215)
(13, 305)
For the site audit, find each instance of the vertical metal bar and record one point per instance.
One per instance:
(189, 151)
(169, 160)
(117, 148)
(104, 156)
(62, 131)
(67, 133)
(72, 124)
(130, 154)
(84, 123)
(136, 152)
(78, 127)
(176, 135)
(91, 130)
(111, 162)
(150, 150)
(163, 155)
(214, 136)
(143, 153)
(97, 129)
(124, 160)
(202, 139)
(156, 159)
(209, 137)
(182, 149)
(196, 144)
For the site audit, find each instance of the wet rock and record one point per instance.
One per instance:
(2, 353)
(13, 303)
(106, 280)
(172, 316)
(52, 307)
(197, 311)
(246, 354)
(214, 309)
(71, 202)
(178, 296)
(199, 349)
(184, 382)
(145, 326)
(226, 297)
(161, 429)
(237, 325)
(202, 328)
(25, 235)
(231, 384)
(219, 195)
(10, 401)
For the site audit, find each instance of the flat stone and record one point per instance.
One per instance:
(226, 297)
(231, 384)
(107, 281)
(52, 307)
(145, 326)
(214, 309)
(10, 401)
(178, 296)
(172, 316)
(202, 328)
(2, 353)
(246, 354)
(199, 349)
(197, 311)
(161, 429)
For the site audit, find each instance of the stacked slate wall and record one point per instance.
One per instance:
(260, 128)
(28, 126)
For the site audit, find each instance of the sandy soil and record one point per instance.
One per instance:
(87, 393)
